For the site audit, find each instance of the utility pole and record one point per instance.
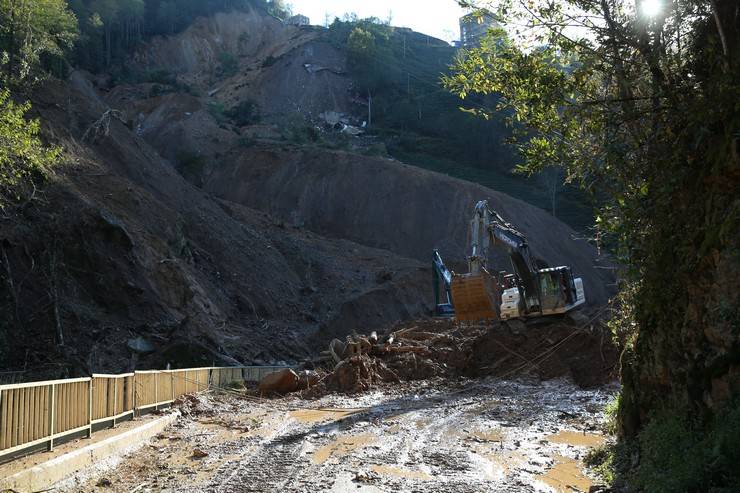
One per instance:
(369, 108)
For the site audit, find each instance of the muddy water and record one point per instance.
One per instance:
(342, 447)
(472, 437)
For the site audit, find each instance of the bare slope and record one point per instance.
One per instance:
(120, 246)
(386, 204)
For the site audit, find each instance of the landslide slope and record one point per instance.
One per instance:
(386, 204)
(374, 201)
(120, 251)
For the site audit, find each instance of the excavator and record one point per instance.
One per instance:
(527, 293)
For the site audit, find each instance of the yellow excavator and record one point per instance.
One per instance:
(528, 292)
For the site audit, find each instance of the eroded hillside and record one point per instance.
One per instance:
(176, 236)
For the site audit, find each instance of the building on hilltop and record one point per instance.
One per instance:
(474, 26)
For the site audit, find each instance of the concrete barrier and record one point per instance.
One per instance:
(44, 476)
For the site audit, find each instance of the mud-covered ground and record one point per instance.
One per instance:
(484, 435)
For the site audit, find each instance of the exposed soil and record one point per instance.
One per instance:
(544, 349)
(426, 436)
(264, 254)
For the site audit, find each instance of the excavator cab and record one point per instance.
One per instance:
(559, 290)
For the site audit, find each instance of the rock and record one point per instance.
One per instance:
(599, 488)
(199, 454)
(104, 483)
(279, 382)
(140, 345)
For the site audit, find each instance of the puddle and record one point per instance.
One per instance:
(400, 472)
(566, 476)
(577, 438)
(318, 415)
(343, 446)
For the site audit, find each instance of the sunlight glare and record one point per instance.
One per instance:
(651, 8)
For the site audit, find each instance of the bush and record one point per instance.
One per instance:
(160, 77)
(245, 113)
(269, 61)
(229, 64)
(24, 160)
(218, 112)
(191, 165)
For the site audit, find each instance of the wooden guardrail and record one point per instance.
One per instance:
(38, 414)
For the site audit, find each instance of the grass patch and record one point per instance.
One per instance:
(675, 454)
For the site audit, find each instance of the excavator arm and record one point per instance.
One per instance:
(441, 274)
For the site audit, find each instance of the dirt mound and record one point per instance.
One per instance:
(544, 349)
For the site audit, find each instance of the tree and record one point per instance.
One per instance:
(641, 110)
(24, 160)
(30, 30)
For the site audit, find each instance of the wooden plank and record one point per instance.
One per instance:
(11, 419)
(17, 407)
(3, 417)
(52, 410)
(27, 424)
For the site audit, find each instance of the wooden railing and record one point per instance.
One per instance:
(38, 414)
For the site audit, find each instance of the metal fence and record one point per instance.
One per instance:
(40, 413)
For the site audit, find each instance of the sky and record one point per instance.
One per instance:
(438, 18)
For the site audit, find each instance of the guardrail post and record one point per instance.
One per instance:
(115, 400)
(52, 400)
(90, 409)
(136, 389)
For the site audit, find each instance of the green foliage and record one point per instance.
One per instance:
(420, 120)
(218, 112)
(641, 112)
(269, 61)
(297, 130)
(33, 37)
(111, 29)
(24, 160)
(245, 113)
(279, 8)
(676, 455)
(159, 76)
(228, 64)
(191, 165)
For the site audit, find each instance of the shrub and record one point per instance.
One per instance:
(218, 112)
(24, 160)
(229, 64)
(245, 113)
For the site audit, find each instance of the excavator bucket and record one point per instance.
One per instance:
(475, 297)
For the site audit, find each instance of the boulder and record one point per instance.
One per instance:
(279, 382)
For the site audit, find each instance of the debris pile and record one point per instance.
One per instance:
(359, 373)
(542, 348)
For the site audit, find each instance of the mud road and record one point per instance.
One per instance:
(467, 436)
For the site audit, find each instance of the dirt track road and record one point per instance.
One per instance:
(469, 437)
